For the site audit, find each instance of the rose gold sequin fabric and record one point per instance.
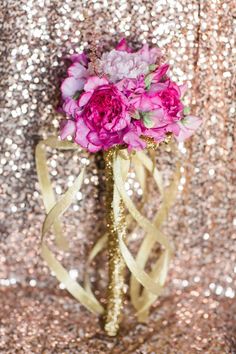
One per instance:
(196, 313)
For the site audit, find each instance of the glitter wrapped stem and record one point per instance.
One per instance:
(116, 262)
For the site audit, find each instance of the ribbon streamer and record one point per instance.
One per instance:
(159, 269)
(54, 211)
(151, 282)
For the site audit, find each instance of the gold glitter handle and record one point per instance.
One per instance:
(115, 296)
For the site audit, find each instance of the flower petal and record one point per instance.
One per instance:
(93, 148)
(148, 102)
(144, 52)
(118, 124)
(70, 106)
(150, 55)
(157, 116)
(78, 71)
(70, 86)
(84, 98)
(81, 136)
(155, 53)
(183, 88)
(93, 82)
(132, 139)
(93, 138)
(81, 133)
(160, 72)
(173, 128)
(158, 87)
(157, 134)
(123, 46)
(187, 127)
(183, 134)
(79, 58)
(192, 122)
(67, 127)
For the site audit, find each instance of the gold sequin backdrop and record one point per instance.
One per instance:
(196, 312)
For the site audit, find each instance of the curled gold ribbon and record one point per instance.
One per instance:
(159, 269)
(151, 282)
(136, 270)
(54, 211)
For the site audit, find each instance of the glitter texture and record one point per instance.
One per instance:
(196, 311)
(115, 295)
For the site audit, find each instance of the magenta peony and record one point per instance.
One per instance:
(103, 117)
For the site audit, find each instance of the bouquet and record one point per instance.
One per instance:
(121, 103)
(123, 99)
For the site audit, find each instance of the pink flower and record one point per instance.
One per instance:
(186, 127)
(132, 138)
(150, 56)
(163, 105)
(67, 127)
(171, 100)
(79, 58)
(134, 98)
(70, 106)
(123, 46)
(156, 75)
(77, 76)
(121, 63)
(132, 88)
(158, 109)
(103, 117)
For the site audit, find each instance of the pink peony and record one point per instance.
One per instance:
(103, 116)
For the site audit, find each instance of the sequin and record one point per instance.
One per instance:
(195, 314)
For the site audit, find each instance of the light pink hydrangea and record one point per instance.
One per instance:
(120, 63)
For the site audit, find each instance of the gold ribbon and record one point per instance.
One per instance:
(54, 211)
(153, 281)
(159, 270)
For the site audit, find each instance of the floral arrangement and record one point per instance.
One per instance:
(127, 97)
(120, 102)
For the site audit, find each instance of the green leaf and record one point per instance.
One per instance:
(186, 110)
(76, 95)
(152, 67)
(147, 121)
(136, 115)
(184, 121)
(148, 81)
